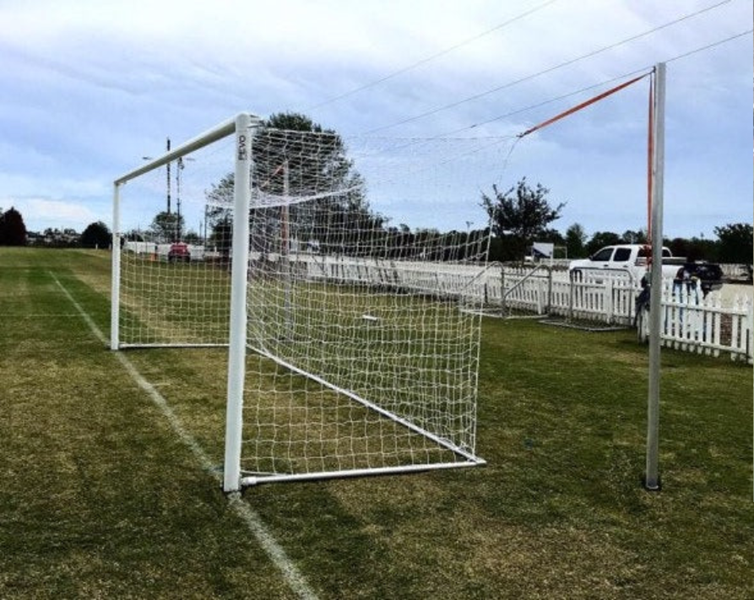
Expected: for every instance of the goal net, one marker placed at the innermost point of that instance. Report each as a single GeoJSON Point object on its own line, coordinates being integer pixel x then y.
{"type": "Point", "coordinates": [353, 342]}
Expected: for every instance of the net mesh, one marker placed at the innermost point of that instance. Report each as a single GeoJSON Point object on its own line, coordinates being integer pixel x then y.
{"type": "Point", "coordinates": [365, 337]}
{"type": "Point", "coordinates": [175, 252]}
{"type": "Point", "coordinates": [362, 332]}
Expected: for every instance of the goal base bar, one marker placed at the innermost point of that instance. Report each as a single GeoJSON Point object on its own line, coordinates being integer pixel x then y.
{"type": "Point", "coordinates": [250, 481]}
{"type": "Point", "coordinates": [186, 345]}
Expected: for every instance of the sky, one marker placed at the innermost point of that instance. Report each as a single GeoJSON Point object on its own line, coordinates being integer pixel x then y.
{"type": "Point", "coordinates": [89, 87]}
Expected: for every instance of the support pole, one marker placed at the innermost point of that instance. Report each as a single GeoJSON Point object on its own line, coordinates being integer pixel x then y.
{"type": "Point", "coordinates": [652, 477]}
{"type": "Point", "coordinates": [167, 147]}
{"type": "Point", "coordinates": [502, 291]}
{"type": "Point", "coordinates": [115, 273]}
{"type": "Point", "coordinates": [285, 249]}
{"type": "Point", "coordinates": [237, 349]}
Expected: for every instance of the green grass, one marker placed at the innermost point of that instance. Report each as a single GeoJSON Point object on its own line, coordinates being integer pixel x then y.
{"type": "Point", "coordinates": [99, 497]}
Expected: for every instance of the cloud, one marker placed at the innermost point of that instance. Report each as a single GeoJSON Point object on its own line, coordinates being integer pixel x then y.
{"type": "Point", "coordinates": [41, 213]}
{"type": "Point", "coordinates": [88, 87]}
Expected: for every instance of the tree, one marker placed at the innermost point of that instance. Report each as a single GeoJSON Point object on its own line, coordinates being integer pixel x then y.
{"type": "Point", "coordinates": [222, 235]}
{"type": "Point", "coordinates": [600, 239]}
{"type": "Point", "coordinates": [294, 156]}
{"type": "Point", "coordinates": [220, 201]}
{"type": "Point", "coordinates": [735, 243]}
{"type": "Point", "coordinates": [520, 215]}
{"type": "Point", "coordinates": [192, 237]}
{"type": "Point", "coordinates": [635, 237]}
{"type": "Point", "coordinates": [291, 150]}
{"type": "Point", "coordinates": [96, 235]}
{"type": "Point", "coordinates": [575, 239]}
{"type": "Point", "coordinates": [167, 225]}
{"type": "Point", "coordinates": [12, 228]}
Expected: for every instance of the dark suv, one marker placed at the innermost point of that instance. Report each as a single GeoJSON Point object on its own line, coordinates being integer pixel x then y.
{"type": "Point", "coordinates": [708, 275]}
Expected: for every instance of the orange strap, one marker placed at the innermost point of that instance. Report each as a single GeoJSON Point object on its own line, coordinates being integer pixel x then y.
{"type": "Point", "coordinates": [578, 107]}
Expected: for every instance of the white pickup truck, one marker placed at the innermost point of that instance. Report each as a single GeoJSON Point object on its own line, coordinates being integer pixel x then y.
{"type": "Point", "coordinates": [632, 259]}
{"type": "Point", "coordinates": [626, 258]}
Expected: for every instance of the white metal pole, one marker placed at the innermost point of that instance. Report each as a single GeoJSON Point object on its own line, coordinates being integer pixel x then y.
{"type": "Point", "coordinates": [652, 477]}
{"type": "Point", "coordinates": [286, 246]}
{"type": "Point", "coordinates": [115, 273]}
{"type": "Point", "coordinates": [237, 349]}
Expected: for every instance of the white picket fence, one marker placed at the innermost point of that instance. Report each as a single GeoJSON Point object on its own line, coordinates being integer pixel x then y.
{"type": "Point", "coordinates": [690, 322]}
{"type": "Point", "coordinates": [693, 323]}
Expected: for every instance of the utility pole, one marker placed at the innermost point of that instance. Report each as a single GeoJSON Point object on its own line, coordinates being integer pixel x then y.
{"type": "Point", "coordinates": [168, 175]}
{"type": "Point", "coordinates": [179, 168]}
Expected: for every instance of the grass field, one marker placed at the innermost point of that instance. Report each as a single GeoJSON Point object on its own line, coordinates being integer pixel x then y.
{"type": "Point", "coordinates": [101, 497]}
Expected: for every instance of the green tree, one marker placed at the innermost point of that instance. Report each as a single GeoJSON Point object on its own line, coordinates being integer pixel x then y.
{"type": "Point", "coordinates": [296, 157]}
{"type": "Point", "coordinates": [220, 199]}
{"type": "Point", "coordinates": [700, 248]}
{"type": "Point", "coordinates": [575, 238]}
{"type": "Point", "coordinates": [222, 236]}
{"type": "Point", "coordinates": [12, 228]}
{"type": "Point", "coordinates": [519, 215]}
{"type": "Point", "coordinates": [96, 235]}
{"type": "Point", "coordinates": [293, 155]}
{"type": "Point", "coordinates": [167, 226]}
{"type": "Point", "coordinates": [192, 237]}
{"type": "Point", "coordinates": [735, 243]}
{"type": "Point", "coordinates": [600, 239]}
{"type": "Point", "coordinates": [635, 237]}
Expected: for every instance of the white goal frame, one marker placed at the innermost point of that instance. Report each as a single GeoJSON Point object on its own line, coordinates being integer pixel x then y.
{"type": "Point", "coordinates": [234, 479]}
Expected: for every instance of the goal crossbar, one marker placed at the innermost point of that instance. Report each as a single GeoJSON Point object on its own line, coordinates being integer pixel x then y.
{"type": "Point", "coordinates": [198, 142]}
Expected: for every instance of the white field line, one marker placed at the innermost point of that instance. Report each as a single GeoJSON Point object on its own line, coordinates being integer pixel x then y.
{"type": "Point", "coordinates": [38, 315]}
{"type": "Point", "coordinates": [253, 521]}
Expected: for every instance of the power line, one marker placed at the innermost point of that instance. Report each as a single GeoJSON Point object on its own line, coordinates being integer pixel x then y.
{"type": "Point", "coordinates": [432, 57]}
{"type": "Point", "coordinates": [708, 46]}
{"type": "Point", "coordinates": [597, 85]}
{"type": "Point", "coordinates": [549, 70]}
{"type": "Point", "coordinates": [643, 70]}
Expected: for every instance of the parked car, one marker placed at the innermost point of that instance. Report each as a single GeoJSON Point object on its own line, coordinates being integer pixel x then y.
{"type": "Point", "coordinates": [626, 258]}
{"type": "Point", "coordinates": [179, 252]}
{"type": "Point", "coordinates": [633, 259]}
{"type": "Point", "coordinates": [707, 275]}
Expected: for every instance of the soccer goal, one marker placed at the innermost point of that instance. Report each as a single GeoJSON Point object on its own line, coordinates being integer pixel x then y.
{"type": "Point", "coordinates": [353, 344]}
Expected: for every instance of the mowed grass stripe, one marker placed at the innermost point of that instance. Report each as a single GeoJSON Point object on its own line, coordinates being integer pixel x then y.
{"type": "Point", "coordinates": [251, 519]}
{"type": "Point", "coordinates": [99, 498]}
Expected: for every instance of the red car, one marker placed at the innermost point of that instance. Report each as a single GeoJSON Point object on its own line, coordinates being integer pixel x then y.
{"type": "Point", "coordinates": [179, 252]}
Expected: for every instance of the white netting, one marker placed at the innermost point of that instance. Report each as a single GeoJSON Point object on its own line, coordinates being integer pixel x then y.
{"type": "Point", "coordinates": [365, 335]}
{"type": "Point", "coordinates": [175, 277]}
{"type": "Point", "coordinates": [363, 332]}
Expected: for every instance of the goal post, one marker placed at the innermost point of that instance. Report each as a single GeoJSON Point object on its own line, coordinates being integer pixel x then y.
{"type": "Point", "coordinates": [352, 344]}
{"type": "Point", "coordinates": [238, 316]}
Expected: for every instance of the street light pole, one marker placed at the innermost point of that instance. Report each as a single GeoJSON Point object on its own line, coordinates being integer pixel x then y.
{"type": "Point", "coordinates": [168, 175]}
{"type": "Point", "coordinates": [179, 168]}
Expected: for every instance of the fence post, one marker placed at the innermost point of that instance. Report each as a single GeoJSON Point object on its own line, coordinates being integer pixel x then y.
{"type": "Point", "coordinates": [750, 331]}
{"type": "Point", "coordinates": [502, 291]}
{"type": "Point", "coordinates": [716, 327]}
{"type": "Point", "coordinates": [609, 300]}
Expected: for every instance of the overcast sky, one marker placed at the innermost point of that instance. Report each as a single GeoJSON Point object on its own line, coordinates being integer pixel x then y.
{"type": "Point", "coordinates": [88, 87]}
